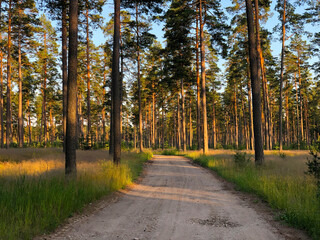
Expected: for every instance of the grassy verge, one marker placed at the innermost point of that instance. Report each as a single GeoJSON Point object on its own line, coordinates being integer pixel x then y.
{"type": "Point", "coordinates": [293, 194]}
{"type": "Point", "coordinates": [32, 203]}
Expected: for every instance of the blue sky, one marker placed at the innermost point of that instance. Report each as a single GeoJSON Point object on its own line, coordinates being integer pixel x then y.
{"type": "Point", "coordinates": [99, 38]}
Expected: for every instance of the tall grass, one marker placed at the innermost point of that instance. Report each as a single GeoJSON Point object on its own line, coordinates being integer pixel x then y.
{"type": "Point", "coordinates": [294, 194]}
{"type": "Point", "coordinates": [36, 201]}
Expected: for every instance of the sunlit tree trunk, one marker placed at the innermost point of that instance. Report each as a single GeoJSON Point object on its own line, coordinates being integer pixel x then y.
{"type": "Point", "coordinates": [281, 73]}
{"type": "Point", "coordinates": [255, 81]}
{"type": "Point", "coordinates": [88, 77]}
{"type": "Point", "coordinates": [198, 87]}
{"type": "Point", "coordinates": [203, 82]}
{"type": "Point", "coordinates": [64, 30]}
{"type": "Point", "coordinates": [178, 123]}
{"type": "Point", "coordinates": [9, 128]}
{"type": "Point", "coordinates": [116, 88]}
{"type": "Point", "coordinates": [20, 113]}
{"type": "Point", "coordinates": [72, 138]}
{"type": "Point", "coordinates": [190, 125]}
{"type": "Point", "coordinates": [184, 137]}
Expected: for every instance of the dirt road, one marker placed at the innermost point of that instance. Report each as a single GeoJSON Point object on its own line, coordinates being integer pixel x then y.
{"type": "Point", "coordinates": [175, 200]}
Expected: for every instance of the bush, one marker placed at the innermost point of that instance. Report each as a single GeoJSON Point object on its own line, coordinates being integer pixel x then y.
{"type": "Point", "coordinates": [314, 168]}
{"type": "Point", "coordinates": [241, 159]}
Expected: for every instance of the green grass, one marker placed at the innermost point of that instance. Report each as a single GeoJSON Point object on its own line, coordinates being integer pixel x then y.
{"type": "Point", "coordinates": [293, 194]}
{"type": "Point", "coordinates": [35, 204]}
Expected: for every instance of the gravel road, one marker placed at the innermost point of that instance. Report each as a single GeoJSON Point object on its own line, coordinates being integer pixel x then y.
{"type": "Point", "coordinates": [175, 200]}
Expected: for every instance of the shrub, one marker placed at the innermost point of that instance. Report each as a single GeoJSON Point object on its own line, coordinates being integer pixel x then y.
{"type": "Point", "coordinates": [314, 168]}
{"type": "Point", "coordinates": [241, 159]}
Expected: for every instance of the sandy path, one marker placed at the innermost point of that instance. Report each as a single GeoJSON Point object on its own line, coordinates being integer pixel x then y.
{"type": "Point", "coordinates": [175, 200]}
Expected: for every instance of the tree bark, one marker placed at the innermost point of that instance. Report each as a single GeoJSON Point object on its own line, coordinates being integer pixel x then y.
{"type": "Point", "coordinates": [139, 83]}
{"type": "Point", "coordinates": [72, 138]}
{"type": "Point", "coordinates": [198, 87]}
{"type": "Point", "coordinates": [116, 89]}
{"type": "Point", "coordinates": [203, 83]}
{"type": "Point", "coordinates": [281, 73]}
{"type": "Point", "coordinates": [184, 139]}
{"type": "Point", "coordinates": [1, 97]}
{"type": "Point", "coordinates": [88, 78]}
{"type": "Point", "coordinates": [64, 70]}
{"type": "Point", "coordinates": [255, 82]}
{"type": "Point", "coordinates": [8, 128]}
{"type": "Point", "coordinates": [44, 96]}
{"type": "Point", "coordinates": [20, 114]}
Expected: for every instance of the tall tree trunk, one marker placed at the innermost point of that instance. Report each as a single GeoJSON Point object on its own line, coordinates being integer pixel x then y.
{"type": "Point", "coordinates": [72, 138]}
{"type": "Point", "coordinates": [263, 77]}
{"type": "Point", "coordinates": [20, 114]}
{"type": "Point", "coordinates": [1, 97]}
{"type": "Point", "coordinates": [139, 84]}
{"type": "Point", "coordinates": [29, 122]}
{"type": "Point", "coordinates": [297, 111]}
{"type": "Point", "coordinates": [8, 128]}
{"type": "Point", "coordinates": [44, 96]}
{"type": "Point", "coordinates": [64, 69]}
{"type": "Point", "coordinates": [236, 125]}
{"type": "Point", "coordinates": [88, 78]}
{"type": "Point", "coordinates": [116, 88]}
{"type": "Point", "coordinates": [203, 83]}
{"type": "Point", "coordinates": [153, 116]}
{"type": "Point", "coordinates": [255, 81]}
{"type": "Point", "coordinates": [162, 135]}
{"type": "Point", "coordinates": [121, 78]}
{"type": "Point", "coordinates": [250, 107]}
{"type": "Point", "coordinates": [214, 134]}
{"type": "Point", "coordinates": [287, 118]}
{"type": "Point", "coordinates": [198, 87]}
{"type": "Point", "coordinates": [300, 97]}
{"type": "Point", "coordinates": [190, 125]}
{"type": "Point", "coordinates": [184, 137]}
{"type": "Point", "coordinates": [281, 73]}
{"type": "Point", "coordinates": [178, 124]}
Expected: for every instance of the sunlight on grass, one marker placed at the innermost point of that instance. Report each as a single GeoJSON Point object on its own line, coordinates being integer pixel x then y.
{"type": "Point", "coordinates": [36, 197]}
{"type": "Point", "coordinates": [281, 182]}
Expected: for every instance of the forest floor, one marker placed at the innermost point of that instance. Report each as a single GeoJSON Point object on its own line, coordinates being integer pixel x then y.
{"type": "Point", "coordinates": [176, 199]}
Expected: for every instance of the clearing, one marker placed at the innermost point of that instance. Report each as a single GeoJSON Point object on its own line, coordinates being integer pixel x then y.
{"type": "Point", "coordinates": [176, 200]}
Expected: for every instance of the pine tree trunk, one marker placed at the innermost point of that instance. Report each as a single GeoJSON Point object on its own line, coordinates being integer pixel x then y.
{"type": "Point", "coordinates": [184, 137]}
{"type": "Point", "coordinates": [250, 107]}
{"type": "Point", "coordinates": [20, 114]}
{"type": "Point", "coordinates": [178, 124]}
{"type": "Point", "coordinates": [255, 81]}
{"type": "Point", "coordinates": [29, 122]}
{"type": "Point", "coordinates": [236, 125]}
{"type": "Point", "coordinates": [198, 88]}
{"type": "Point", "coordinates": [139, 84]}
{"type": "Point", "coordinates": [297, 111]}
{"type": "Point", "coordinates": [300, 98]}
{"type": "Point", "coordinates": [44, 96]}
{"type": "Point", "coordinates": [203, 83]}
{"type": "Point", "coordinates": [116, 87]}
{"type": "Point", "coordinates": [281, 73]}
{"type": "Point", "coordinates": [88, 79]}
{"type": "Point", "coordinates": [71, 143]}
{"type": "Point", "coordinates": [190, 125]}
{"type": "Point", "coordinates": [64, 70]}
{"type": "Point", "coordinates": [287, 118]}
{"type": "Point", "coordinates": [162, 135]}
{"type": "Point", "coordinates": [8, 128]}
{"type": "Point", "coordinates": [214, 137]}
{"type": "Point", "coordinates": [1, 97]}
{"type": "Point", "coordinates": [153, 117]}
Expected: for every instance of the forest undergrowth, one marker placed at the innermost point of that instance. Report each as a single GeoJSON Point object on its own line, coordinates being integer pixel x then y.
{"type": "Point", "coordinates": [36, 197]}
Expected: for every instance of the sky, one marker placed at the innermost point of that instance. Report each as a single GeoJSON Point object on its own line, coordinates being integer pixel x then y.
{"type": "Point", "coordinates": [98, 37]}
